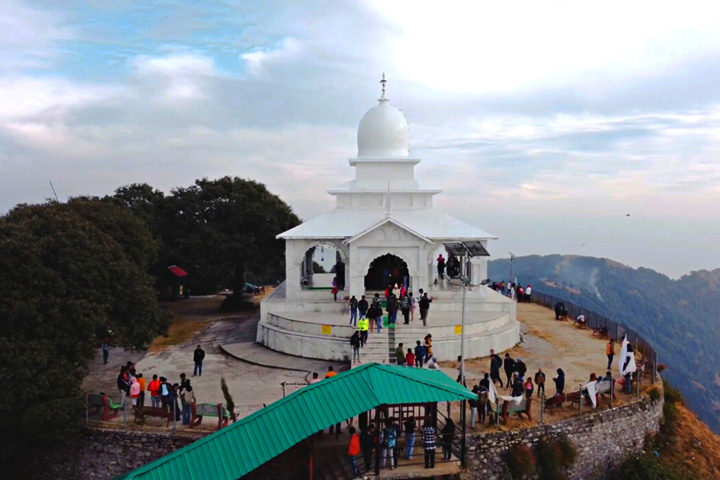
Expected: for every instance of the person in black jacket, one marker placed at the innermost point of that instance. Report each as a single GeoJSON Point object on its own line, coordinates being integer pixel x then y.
{"type": "Point", "coordinates": [509, 366]}
{"type": "Point", "coordinates": [368, 442]}
{"type": "Point", "coordinates": [495, 364]}
{"type": "Point", "coordinates": [198, 358]}
{"type": "Point", "coordinates": [517, 386]}
{"type": "Point", "coordinates": [520, 368]}
{"type": "Point", "coordinates": [559, 381]}
{"type": "Point", "coordinates": [123, 383]}
{"type": "Point", "coordinates": [448, 432]}
{"type": "Point", "coordinates": [392, 309]}
{"type": "Point", "coordinates": [424, 305]}
{"type": "Point", "coordinates": [363, 306]}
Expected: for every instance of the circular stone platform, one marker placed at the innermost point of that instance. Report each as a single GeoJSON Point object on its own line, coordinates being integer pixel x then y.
{"type": "Point", "coordinates": [315, 328]}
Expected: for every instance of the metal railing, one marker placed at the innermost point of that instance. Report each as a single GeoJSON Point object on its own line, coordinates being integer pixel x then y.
{"type": "Point", "coordinates": [596, 321]}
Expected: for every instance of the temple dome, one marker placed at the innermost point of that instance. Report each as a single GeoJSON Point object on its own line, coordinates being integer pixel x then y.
{"type": "Point", "coordinates": [383, 132]}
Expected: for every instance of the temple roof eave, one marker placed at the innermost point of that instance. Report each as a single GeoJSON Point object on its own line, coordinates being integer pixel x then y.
{"type": "Point", "coordinates": [344, 223]}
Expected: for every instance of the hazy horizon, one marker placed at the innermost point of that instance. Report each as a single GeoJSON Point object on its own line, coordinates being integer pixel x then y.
{"type": "Point", "coordinates": [545, 123]}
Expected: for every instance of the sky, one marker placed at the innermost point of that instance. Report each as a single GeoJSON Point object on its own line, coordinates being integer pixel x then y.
{"type": "Point", "coordinates": [544, 123]}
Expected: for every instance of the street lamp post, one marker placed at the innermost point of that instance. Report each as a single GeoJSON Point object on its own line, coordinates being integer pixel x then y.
{"type": "Point", "coordinates": [512, 259]}
{"type": "Point", "coordinates": [462, 334]}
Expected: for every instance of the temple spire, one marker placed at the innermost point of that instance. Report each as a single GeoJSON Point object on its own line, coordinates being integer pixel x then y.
{"type": "Point", "coordinates": [383, 82]}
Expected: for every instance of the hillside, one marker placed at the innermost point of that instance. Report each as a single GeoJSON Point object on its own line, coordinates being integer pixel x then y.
{"type": "Point", "coordinates": [679, 317]}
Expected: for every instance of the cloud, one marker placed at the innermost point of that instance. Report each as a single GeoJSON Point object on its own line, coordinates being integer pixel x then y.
{"type": "Point", "coordinates": [521, 123]}
{"type": "Point", "coordinates": [29, 37]}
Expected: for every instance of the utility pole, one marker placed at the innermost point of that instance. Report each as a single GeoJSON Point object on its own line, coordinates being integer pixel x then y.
{"type": "Point", "coordinates": [512, 259]}
{"type": "Point", "coordinates": [462, 334]}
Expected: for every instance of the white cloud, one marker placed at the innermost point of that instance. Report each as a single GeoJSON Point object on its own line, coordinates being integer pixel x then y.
{"type": "Point", "coordinates": [29, 37]}
{"type": "Point", "coordinates": [525, 124]}
{"type": "Point", "coordinates": [177, 75]}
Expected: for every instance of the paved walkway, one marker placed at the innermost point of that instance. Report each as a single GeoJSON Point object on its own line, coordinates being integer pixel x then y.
{"type": "Point", "coordinates": [256, 354]}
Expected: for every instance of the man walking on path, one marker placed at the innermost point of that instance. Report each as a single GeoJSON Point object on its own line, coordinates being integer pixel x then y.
{"type": "Point", "coordinates": [363, 326]}
{"type": "Point", "coordinates": [429, 443]}
{"type": "Point", "coordinates": [392, 309]}
{"type": "Point", "coordinates": [540, 381]}
{"type": "Point", "coordinates": [353, 310]}
{"type": "Point", "coordinates": [419, 354]}
{"type": "Point", "coordinates": [610, 352]}
{"type": "Point", "coordinates": [363, 306]}
{"type": "Point", "coordinates": [400, 355]}
{"type": "Point", "coordinates": [355, 343]}
{"type": "Point", "coordinates": [509, 366]}
{"type": "Point", "coordinates": [405, 308]}
{"type": "Point", "coordinates": [495, 365]}
{"type": "Point", "coordinates": [198, 358]}
{"type": "Point", "coordinates": [424, 307]}
{"type": "Point", "coordinates": [106, 351]}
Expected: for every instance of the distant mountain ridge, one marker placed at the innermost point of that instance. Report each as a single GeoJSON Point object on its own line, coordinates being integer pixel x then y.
{"type": "Point", "coordinates": [679, 317]}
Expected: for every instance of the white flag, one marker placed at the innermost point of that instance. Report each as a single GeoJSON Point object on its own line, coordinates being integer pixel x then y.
{"type": "Point", "coordinates": [628, 357]}
{"type": "Point", "coordinates": [492, 394]}
{"type": "Point", "coordinates": [591, 388]}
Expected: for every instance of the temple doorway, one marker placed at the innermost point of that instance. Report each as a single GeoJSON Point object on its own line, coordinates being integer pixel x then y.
{"type": "Point", "coordinates": [387, 270]}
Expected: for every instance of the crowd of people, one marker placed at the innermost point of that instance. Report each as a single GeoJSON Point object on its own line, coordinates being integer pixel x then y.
{"type": "Point", "coordinates": [397, 300]}
{"type": "Point", "coordinates": [162, 393]}
{"type": "Point", "coordinates": [513, 290]}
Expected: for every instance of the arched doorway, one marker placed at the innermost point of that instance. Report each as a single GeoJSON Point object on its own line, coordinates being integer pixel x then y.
{"type": "Point", "coordinates": [386, 270]}
{"type": "Point", "coordinates": [321, 265]}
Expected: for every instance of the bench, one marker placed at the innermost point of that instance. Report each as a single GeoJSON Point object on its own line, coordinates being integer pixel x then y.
{"type": "Point", "coordinates": [103, 405]}
{"type": "Point", "coordinates": [508, 407]}
{"type": "Point", "coordinates": [602, 332]}
{"type": "Point", "coordinates": [200, 410]}
{"type": "Point", "coordinates": [142, 412]}
{"type": "Point", "coordinates": [559, 399]}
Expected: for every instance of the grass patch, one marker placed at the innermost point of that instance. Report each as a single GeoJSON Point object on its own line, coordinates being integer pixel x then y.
{"type": "Point", "coordinates": [180, 331]}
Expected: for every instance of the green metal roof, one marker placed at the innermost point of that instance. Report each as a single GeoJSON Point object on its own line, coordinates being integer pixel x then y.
{"type": "Point", "coordinates": [240, 448]}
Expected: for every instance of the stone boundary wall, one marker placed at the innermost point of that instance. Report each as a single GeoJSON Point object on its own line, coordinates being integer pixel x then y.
{"type": "Point", "coordinates": [602, 439]}
{"type": "Point", "coordinates": [104, 454]}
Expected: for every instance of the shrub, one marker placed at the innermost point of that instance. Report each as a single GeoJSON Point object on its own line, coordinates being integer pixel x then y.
{"type": "Point", "coordinates": [567, 451]}
{"type": "Point", "coordinates": [669, 414]}
{"type": "Point", "coordinates": [650, 467]}
{"type": "Point", "coordinates": [672, 395]}
{"type": "Point", "coordinates": [521, 461]}
{"type": "Point", "coordinates": [654, 394]}
{"type": "Point", "coordinates": [554, 458]}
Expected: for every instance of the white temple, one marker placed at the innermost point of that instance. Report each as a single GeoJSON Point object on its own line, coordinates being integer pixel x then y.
{"type": "Point", "coordinates": [384, 229]}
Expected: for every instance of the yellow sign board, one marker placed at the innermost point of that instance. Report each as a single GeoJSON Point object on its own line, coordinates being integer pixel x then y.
{"type": "Point", "coordinates": [458, 329]}
{"type": "Point", "coordinates": [326, 330]}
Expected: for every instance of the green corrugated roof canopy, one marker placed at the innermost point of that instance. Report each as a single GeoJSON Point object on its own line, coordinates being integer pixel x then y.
{"type": "Point", "coordinates": [240, 448]}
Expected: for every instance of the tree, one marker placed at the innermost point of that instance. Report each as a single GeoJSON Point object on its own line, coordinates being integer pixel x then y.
{"type": "Point", "coordinates": [225, 228]}
{"type": "Point", "coordinates": [69, 271]}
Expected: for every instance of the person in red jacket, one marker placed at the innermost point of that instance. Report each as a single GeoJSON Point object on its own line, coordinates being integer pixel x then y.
{"type": "Point", "coordinates": [154, 389]}
{"type": "Point", "coordinates": [410, 358]}
{"type": "Point", "coordinates": [354, 451]}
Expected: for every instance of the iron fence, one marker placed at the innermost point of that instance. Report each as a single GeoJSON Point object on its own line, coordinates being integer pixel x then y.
{"type": "Point", "coordinates": [596, 321]}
